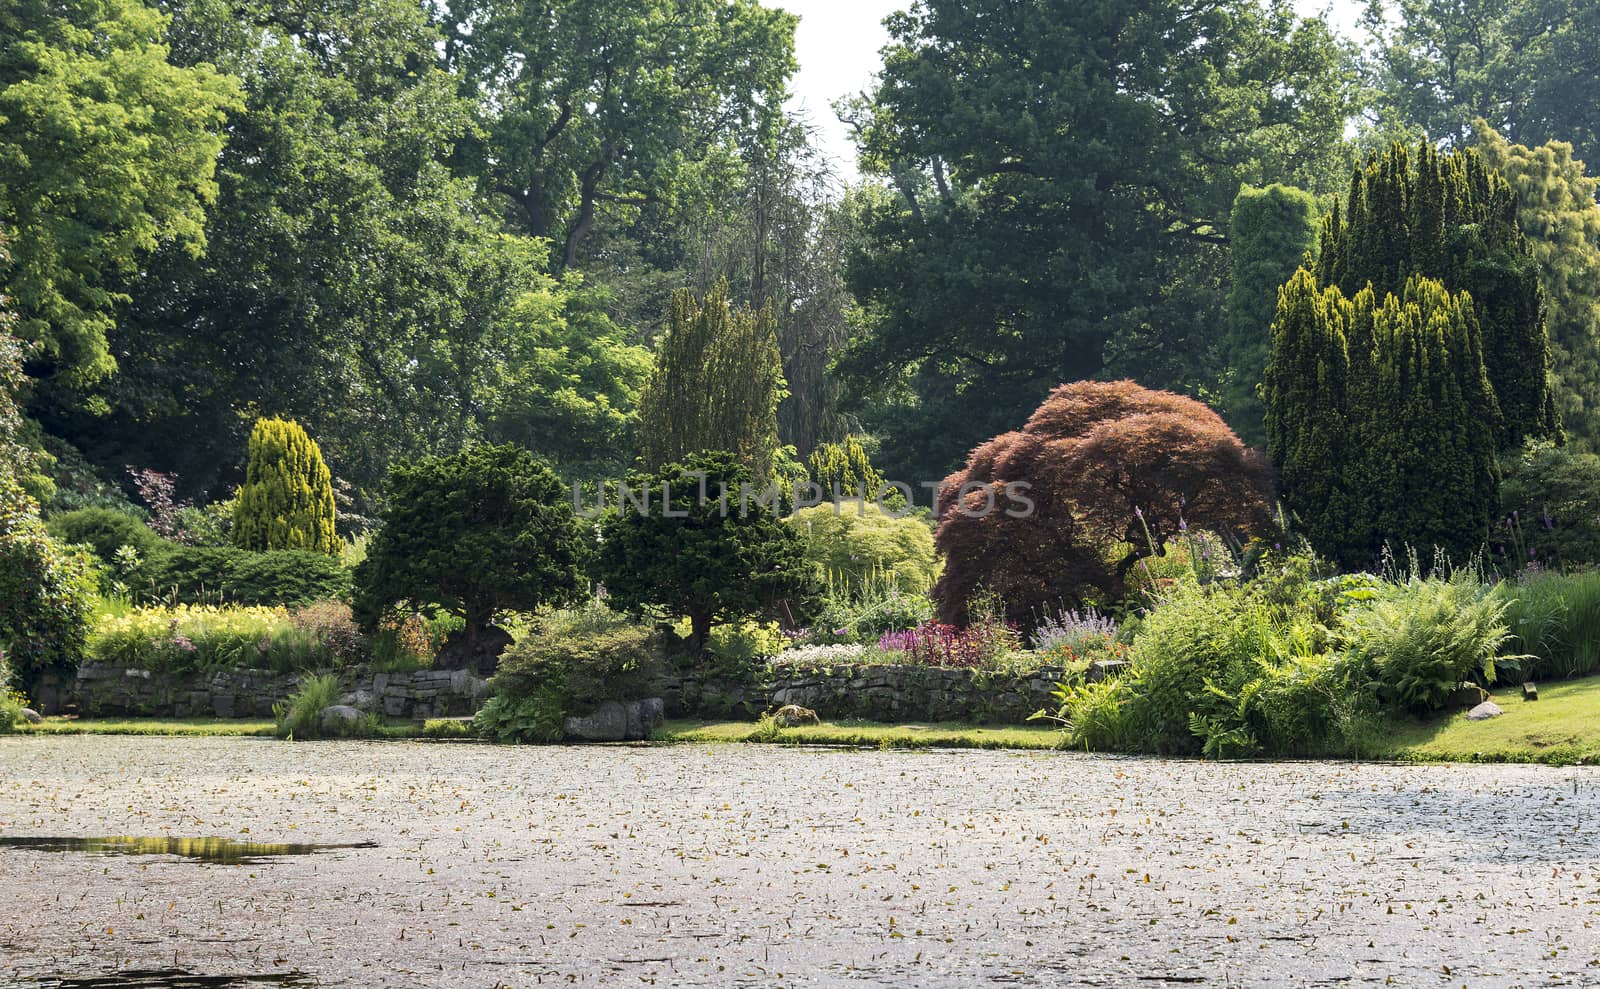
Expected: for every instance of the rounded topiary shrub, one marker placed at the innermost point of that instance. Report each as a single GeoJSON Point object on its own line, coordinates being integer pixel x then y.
{"type": "Point", "coordinates": [105, 530]}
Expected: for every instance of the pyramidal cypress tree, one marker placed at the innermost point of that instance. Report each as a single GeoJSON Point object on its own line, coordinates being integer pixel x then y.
{"type": "Point", "coordinates": [286, 501]}
{"type": "Point", "coordinates": [1449, 218]}
{"type": "Point", "coordinates": [1381, 418]}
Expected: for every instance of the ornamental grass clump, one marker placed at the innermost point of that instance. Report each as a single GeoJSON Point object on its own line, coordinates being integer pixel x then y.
{"type": "Point", "coordinates": [195, 638]}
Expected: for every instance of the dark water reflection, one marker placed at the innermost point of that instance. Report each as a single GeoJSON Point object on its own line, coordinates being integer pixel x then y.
{"type": "Point", "coordinates": [219, 850]}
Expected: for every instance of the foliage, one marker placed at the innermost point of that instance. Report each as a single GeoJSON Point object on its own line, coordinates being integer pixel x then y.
{"type": "Point", "coordinates": [1010, 254]}
{"type": "Point", "coordinates": [1550, 507]}
{"type": "Point", "coordinates": [301, 716]}
{"type": "Point", "coordinates": [719, 560]}
{"type": "Point", "coordinates": [1554, 619]}
{"type": "Point", "coordinates": [352, 279]}
{"type": "Point", "coordinates": [487, 529]}
{"type": "Point", "coordinates": [716, 384]}
{"type": "Point", "coordinates": [11, 703]}
{"type": "Point", "coordinates": [44, 591]}
{"type": "Point", "coordinates": [573, 661]}
{"type": "Point", "coordinates": [194, 638]}
{"type": "Point", "coordinates": [1110, 468]}
{"type": "Point", "coordinates": [1382, 420]}
{"type": "Point", "coordinates": [843, 470]}
{"type": "Point", "coordinates": [591, 110]}
{"type": "Point", "coordinates": [1556, 210]}
{"type": "Point", "coordinates": [985, 643]}
{"type": "Point", "coordinates": [1528, 66]}
{"type": "Point", "coordinates": [1074, 639]}
{"type": "Point", "coordinates": [853, 544]}
{"type": "Point", "coordinates": [737, 646]}
{"type": "Point", "coordinates": [566, 379]}
{"type": "Point", "coordinates": [1450, 218]}
{"type": "Point", "coordinates": [286, 501]}
{"type": "Point", "coordinates": [1094, 715]}
{"type": "Point", "coordinates": [107, 149]}
{"type": "Point", "coordinates": [104, 530]}
{"type": "Point", "coordinates": [1271, 232]}
{"type": "Point", "coordinates": [863, 613]}
{"type": "Point", "coordinates": [201, 574]}
{"type": "Point", "coordinates": [1419, 641]}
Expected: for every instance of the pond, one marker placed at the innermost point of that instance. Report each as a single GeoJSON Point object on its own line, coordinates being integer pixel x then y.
{"type": "Point", "coordinates": [754, 865]}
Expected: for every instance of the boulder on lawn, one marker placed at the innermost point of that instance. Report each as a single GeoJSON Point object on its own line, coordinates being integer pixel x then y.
{"type": "Point", "coordinates": [1485, 711]}
{"type": "Point", "coordinates": [1530, 691]}
{"type": "Point", "coordinates": [607, 723]}
{"type": "Point", "coordinates": [31, 716]}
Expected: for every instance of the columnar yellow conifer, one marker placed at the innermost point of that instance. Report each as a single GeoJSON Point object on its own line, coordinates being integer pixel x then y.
{"type": "Point", "coordinates": [286, 501]}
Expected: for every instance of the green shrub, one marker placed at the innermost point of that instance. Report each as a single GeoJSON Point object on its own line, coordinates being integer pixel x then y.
{"type": "Point", "coordinates": [1554, 619]}
{"type": "Point", "coordinates": [1418, 641]}
{"type": "Point", "coordinates": [574, 660]}
{"type": "Point", "coordinates": [852, 545]}
{"type": "Point", "coordinates": [301, 715]}
{"type": "Point", "coordinates": [201, 574]}
{"type": "Point", "coordinates": [105, 530]}
{"type": "Point", "coordinates": [1191, 638]}
{"type": "Point", "coordinates": [865, 613]}
{"type": "Point", "coordinates": [710, 564]}
{"type": "Point", "coordinates": [11, 702]}
{"type": "Point", "coordinates": [737, 646]}
{"type": "Point", "coordinates": [1550, 507]}
{"type": "Point", "coordinates": [44, 590]}
{"type": "Point", "coordinates": [486, 530]}
{"type": "Point", "coordinates": [286, 501]}
{"type": "Point", "coordinates": [1095, 716]}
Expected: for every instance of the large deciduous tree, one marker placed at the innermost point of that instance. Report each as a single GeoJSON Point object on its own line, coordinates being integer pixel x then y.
{"type": "Point", "coordinates": [351, 279]}
{"type": "Point", "coordinates": [588, 107]}
{"type": "Point", "coordinates": [107, 151]}
{"type": "Point", "coordinates": [1531, 68]}
{"type": "Point", "coordinates": [1113, 471]}
{"type": "Point", "coordinates": [1061, 180]}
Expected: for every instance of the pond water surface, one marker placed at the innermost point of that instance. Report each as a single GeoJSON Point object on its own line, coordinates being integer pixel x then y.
{"type": "Point", "coordinates": [469, 865]}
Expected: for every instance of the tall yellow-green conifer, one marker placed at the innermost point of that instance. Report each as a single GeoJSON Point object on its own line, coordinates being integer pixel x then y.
{"type": "Point", "coordinates": [287, 498]}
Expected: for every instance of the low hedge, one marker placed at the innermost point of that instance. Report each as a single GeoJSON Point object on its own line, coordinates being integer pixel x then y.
{"type": "Point", "coordinates": [211, 574]}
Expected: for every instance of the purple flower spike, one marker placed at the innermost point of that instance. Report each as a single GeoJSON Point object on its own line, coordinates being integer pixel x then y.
{"type": "Point", "coordinates": [1138, 512]}
{"type": "Point", "coordinates": [1548, 524]}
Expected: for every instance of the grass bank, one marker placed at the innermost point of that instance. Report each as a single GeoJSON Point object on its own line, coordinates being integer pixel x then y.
{"type": "Point", "coordinates": [444, 728]}
{"type": "Point", "coordinates": [1561, 728]}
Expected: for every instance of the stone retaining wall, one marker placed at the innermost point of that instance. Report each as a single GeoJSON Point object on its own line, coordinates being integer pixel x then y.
{"type": "Point", "coordinates": [872, 692]}
{"type": "Point", "coordinates": [100, 690]}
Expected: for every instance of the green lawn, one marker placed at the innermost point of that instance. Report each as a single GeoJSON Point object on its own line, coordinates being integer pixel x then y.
{"type": "Point", "coordinates": [1562, 727]}
{"type": "Point", "coordinates": [147, 726]}
{"type": "Point", "coordinates": [951, 735]}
